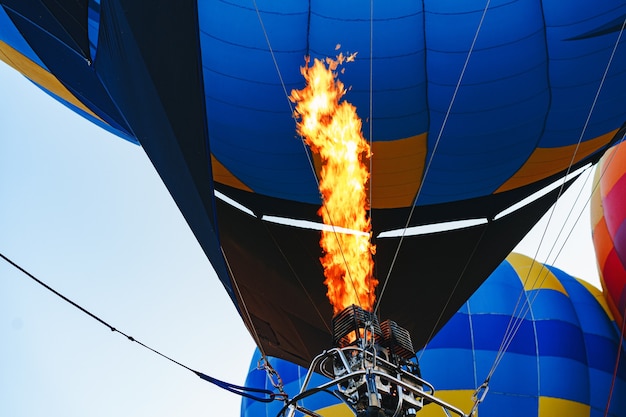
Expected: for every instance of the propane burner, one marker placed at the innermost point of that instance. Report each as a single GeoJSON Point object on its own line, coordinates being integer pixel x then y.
{"type": "Point", "coordinates": [373, 369]}
{"type": "Point", "coordinates": [354, 324]}
{"type": "Point", "coordinates": [380, 351]}
{"type": "Point", "coordinates": [397, 339]}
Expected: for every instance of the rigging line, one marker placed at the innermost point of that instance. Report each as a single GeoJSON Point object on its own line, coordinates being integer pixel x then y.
{"type": "Point", "coordinates": [570, 212]}
{"type": "Point", "coordinates": [343, 256]}
{"type": "Point", "coordinates": [509, 332]}
{"type": "Point", "coordinates": [617, 361]}
{"type": "Point", "coordinates": [306, 152]}
{"type": "Point", "coordinates": [515, 323]}
{"type": "Point", "coordinates": [371, 98]}
{"type": "Point", "coordinates": [510, 335]}
{"type": "Point", "coordinates": [595, 99]}
{"type": "Point", "coordinates": [371, 121]}
{"type": "Point", "coordinates": [580, 138]}
{"type": "Point", "coordinates": [510, 325]}
{"type": "Point", "coordinates": [313, 303]}
{"type": "Point", "coordinates": [269, 370]}
{"type": "Point", "coordinates": [284, 87]}
{"type": "Point", "coordinates": [435, 147]}
{"type": "Point", "coordinates": [583, 131]}
{"type": "Point", "coordinates": [371, 87]}
{"type": "Point", "coordinates": [456, 284]}
{"type": "Point", "coordinates": [506, 343]}
{"type": "Point", "coordinates": [605, 166]}
{"type": "Point", "coordinates": [253, 332]}
{"type": "Point", "coordinates": [269, 45]}
{"type": "Point", "coordinates": [236, 389]}
{"type": "Point", "coordinates": [589, 114]}
{"type": "Point", "coordinates": [517, 317]}
{"type": "Point", "coordinates": [512, 331]}
{"type": "Point", "coordinates": [66, 45]}
{"type": "Point", "coordinates": [470, 319]}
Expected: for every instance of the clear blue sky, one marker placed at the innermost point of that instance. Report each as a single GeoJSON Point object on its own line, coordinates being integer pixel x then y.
{"type": "Point", "coordinates": [86, 213]}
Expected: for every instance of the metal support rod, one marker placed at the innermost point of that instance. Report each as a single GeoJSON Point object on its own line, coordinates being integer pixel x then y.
{"type": "Point", "coordinates": [326, 386]}
{"type": "Point", "coordinates": [340, 354]}
{"type": "Point", "coordinates": [306, 393]}
{"type": "Point", "coordinates": [372, 391]}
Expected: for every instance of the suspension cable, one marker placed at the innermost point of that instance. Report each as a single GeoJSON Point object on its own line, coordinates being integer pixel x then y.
{"type": "Point", "coordinates": [253, 393]}
{"type": "Point", "coordinates": [456, 284]}
{"type": "Point", "coordinates": [265, 364]}
{"type": "Point", "coordinates": [307, 153]}
{"type": "Point", "coordinates": [514, 326]}
{"type": "Point", "coordinates": [515, 323]}
{"type": "Point", "coordinates": [297, 278]}
{"type": "Point", "coordinates": [617, 361]}
{"type": "Point", "coordinates": [432, 155]}
{"type": "Point", "coordinates": [527, 307]}
{"type": "Point", "coordinates": [371, 99]}
{"type": "Point", "coordinates": [517, 318]}
{"type": "Point", "coordinates": [246, 312]}
{"type": "Point", "coordinates": [371, 124]}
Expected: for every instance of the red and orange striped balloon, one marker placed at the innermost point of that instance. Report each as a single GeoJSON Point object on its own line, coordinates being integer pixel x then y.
{"type": "Point", "coordinates": [608, 221]}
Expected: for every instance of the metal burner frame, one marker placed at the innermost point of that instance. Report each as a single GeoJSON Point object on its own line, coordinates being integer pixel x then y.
{"type": "Point", "coordinates": [349, 367]}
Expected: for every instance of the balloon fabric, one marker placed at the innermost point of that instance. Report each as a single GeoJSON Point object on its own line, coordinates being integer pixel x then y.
{"type": "Point", "coordinates": [470, 107]}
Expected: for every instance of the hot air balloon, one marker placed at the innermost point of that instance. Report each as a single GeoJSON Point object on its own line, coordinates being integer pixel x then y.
{"type": "Point", "coordinates": [608, 208]}
{"type": "Point", "coordinates": [560, 358]}
{"type": "Point", "coordinates": [470, 108]}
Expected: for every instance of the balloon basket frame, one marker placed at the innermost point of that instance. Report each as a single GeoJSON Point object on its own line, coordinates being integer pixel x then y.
{"type": "Point", "coordinates": [372, 369]}
{"type": "Point", "coordinates": [368, 384]}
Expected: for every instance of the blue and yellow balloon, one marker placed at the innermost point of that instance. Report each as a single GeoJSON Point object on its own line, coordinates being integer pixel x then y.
{"type": "Point", "coordinates": [563, 359]}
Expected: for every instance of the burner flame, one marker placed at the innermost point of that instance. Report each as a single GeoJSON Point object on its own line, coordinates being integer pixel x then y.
{"type": "Point", "coordinates": [332, 129]}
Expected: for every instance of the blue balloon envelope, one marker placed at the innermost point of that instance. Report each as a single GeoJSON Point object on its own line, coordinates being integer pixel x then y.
{"type": "Point", "coordinates": [471, 107]}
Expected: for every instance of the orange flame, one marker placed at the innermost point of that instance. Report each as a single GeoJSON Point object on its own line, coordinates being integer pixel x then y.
{"type": "Point", "coordinates": [333, 130]}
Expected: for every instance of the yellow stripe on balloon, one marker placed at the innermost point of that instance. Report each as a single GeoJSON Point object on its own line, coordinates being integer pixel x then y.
{"type": "Point", "coordinates": [39, 76]}
{"type": "Point", "coordinates": [534, 275]}
{"type": "Point", "coordinates": [337, 410]}
{"type": "Point", "coordinates": [223, 175]}
{"type": "Point", "coordinates": [544, 162]}
{"type": "Point", "coordinates": [551, 407]}
{"type": "Point", "coordinates": [599, 296]}
{"type": "Point", "coordinates": [461, 399]}
{"type": "Point", "coordinates": [397, 167]}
